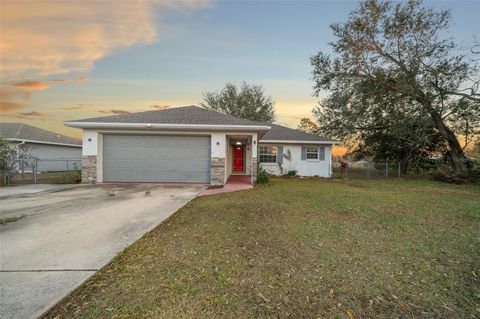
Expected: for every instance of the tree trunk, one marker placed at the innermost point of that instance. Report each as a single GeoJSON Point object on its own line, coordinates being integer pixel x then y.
{"type": "Point", "coordinates": [458, 156]}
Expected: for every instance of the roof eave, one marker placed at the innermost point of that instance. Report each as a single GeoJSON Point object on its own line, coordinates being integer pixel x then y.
{"type": "Point", "coordinates": [41, 142]}
{"type": "Point", "coordinates": [297, 142]}
{"type": "Point", "coordinates": [146, 126]}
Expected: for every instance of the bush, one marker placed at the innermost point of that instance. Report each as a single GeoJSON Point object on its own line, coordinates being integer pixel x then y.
{"type": "Point", "coordinates": [447, 175]}
{"type": "Point", "coordinates": [262, 176]}
{"type": "Point", "coordinates": [291, 173]}
{"type": "Point", "coordinates": [71, 177]}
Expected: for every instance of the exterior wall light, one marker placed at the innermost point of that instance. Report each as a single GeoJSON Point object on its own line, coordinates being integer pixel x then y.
{"type": "Point", "coordinates": [238, 143]}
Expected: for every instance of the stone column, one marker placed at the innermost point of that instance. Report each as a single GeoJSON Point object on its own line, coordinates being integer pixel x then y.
{"type": "Point", "coordinates": [254, 169]}
{"type": "Point", "coordinates": [217, 171]}
{"type": "Point", "coordinates": [89, 169]}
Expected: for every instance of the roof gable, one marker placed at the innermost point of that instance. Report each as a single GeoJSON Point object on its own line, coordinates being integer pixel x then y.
{"type": "Point", "coordinates": [21, 132]}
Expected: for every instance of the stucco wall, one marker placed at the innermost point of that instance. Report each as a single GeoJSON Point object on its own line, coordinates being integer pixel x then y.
{"type": "Point", "coordinates": [303, 167]}
{"type": "Point", "coordinates": [93, 140]}
{"type": "Point", "coordinates": [53, 158]}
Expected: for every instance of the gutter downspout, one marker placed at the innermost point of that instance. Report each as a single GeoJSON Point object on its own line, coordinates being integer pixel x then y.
{"type": "Point", "coordinates": [17, 146]}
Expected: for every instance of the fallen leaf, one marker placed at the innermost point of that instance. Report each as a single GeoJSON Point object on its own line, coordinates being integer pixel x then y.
{"type": "Point", "coordinates": [263, 297]}
{"type": "Point", "coordinates": [350, 314]}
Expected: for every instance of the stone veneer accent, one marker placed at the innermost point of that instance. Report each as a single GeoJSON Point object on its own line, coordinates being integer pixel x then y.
{"type": "Point", "coordinates": [254, 169]}
{"type": "Point", "coordinates": [89, 169]}
{"type": "Point", "coordinates": [217, 171]}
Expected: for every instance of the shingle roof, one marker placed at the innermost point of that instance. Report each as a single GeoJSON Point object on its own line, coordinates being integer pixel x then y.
{"type": "Point", "coordinates": [179, 115]}
{"type": "Point", "coordinates": [282, 133]}
{"type": "Point", "coordinates": [19, 131]}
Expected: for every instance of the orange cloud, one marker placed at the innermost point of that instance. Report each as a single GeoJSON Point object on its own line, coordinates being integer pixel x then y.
{"type": "Point", "coordinates": [17, 95]}
{"type": "Point", "coordinates": [65, 81]}
{"type": "Point", "coordinates": [41, 38]}
{"type": "Point", "coordinates": [32, 113]}
{"type": "Point", "coordinates": [8, 93]}
{"type": "Point", "coordinates": [10, 106]}
{"type": "Point", "coordinates": [71, 108]}
{"type": "Point", "coordinates": [61, 80]}
{"type": "Point", "coordinates": [32, 85]}
{"type": "Point", "coordinates": [159, 106]}
{"type": "Point", "coordinates": [115, 111]}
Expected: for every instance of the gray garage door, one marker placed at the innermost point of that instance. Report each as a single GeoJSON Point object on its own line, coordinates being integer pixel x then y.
{"type": "Point", "coordinates": [155, 158]}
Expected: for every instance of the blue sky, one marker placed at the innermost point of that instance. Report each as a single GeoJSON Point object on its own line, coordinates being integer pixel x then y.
{"type": "Point", "coordinates": [200, 49]}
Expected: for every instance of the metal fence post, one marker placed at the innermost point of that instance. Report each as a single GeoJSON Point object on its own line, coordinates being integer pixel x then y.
{"type": "Point", "coordinates": [22, 161]}
{"type": "Point", "coordinates": [34, 169]}
{"type": "Point", "coordinates": [386, 169]}
{"type": "Point", "coordinates": [399, 169]}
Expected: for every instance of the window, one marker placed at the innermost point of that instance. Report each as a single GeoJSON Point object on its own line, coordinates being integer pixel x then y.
{"type": "Point", "coordinates": [312, 153]}
{"type": "Point", "coordinates": [268, 154]}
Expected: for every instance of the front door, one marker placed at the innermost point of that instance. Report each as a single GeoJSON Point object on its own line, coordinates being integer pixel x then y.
{"type": "Point", "coordinates": [238, 159]}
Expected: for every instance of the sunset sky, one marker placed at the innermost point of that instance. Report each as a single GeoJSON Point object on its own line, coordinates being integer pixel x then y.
{"type": "Point", "coordinates": [63, 60]}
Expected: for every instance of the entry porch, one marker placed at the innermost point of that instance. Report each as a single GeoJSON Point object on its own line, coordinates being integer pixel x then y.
{"type": "Point", "coordinates": [241, 159]}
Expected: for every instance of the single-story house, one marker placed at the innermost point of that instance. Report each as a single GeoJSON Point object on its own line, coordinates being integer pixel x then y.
{"type": "Point", "coordinates": [54, 152]}
{"type": "Point", "coordinates": [193, 144]}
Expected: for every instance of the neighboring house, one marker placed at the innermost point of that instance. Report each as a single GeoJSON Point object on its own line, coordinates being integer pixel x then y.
{"type": "Point", "coordinates": [192, 144]}
{"type": "Point", "coordinates": [52, 150]}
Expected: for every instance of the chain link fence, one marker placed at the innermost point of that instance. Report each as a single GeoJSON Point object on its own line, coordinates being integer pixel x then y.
{"type": "Point", "coordinates": [366, 169]}
{"type": "Point", "coordinates": [33, 170]}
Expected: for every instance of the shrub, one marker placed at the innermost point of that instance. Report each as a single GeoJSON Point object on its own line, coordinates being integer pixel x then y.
{"type": "Point", "coordinates": [71, 177]}
{"type": "Point", "coordinates": [447, 175]}
{"type": "Point", "coordinates": [291, 173]}
{"type": "Point", "coordinates": [262, 176]}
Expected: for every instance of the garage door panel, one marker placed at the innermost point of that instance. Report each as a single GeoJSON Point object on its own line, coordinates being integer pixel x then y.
{"type": "Point", "coordinates": [151, 158]}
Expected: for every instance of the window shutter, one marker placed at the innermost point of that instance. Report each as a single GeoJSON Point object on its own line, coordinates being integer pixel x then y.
{"type": "Point", "coordinates": [304, 153]}
{"type": "Point", "coordinates": [280, 155]}
{"type": "Point", "coordinates": [321, 153]}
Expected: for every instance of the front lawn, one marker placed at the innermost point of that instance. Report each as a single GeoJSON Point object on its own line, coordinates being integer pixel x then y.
{"type": "Point", "coordinates": [301, 249]}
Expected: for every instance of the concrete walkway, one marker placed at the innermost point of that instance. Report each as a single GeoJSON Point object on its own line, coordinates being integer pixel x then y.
{"type": "Point", "coordinates": [65, 236]}
{"type": "Point", "coordinates": [233, 184]}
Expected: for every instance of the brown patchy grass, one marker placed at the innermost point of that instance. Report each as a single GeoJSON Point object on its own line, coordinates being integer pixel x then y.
{"type": "Point", "coordinates": [300, 249]}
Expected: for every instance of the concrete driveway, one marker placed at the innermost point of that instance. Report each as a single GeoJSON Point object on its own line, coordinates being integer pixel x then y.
{"type": "Point", "coordinates": [67, 233]}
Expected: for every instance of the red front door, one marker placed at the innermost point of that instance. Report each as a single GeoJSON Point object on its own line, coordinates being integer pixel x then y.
{"type": "Point", "coordinates": [238, 159]}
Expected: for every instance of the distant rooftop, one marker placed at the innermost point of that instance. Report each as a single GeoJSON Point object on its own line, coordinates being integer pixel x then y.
{"type": "Point", "coordinates": [25, 132]}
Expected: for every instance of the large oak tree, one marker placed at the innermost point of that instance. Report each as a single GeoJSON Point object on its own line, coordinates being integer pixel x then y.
{"type": "Point", "coordinates": [392, 58]}
{"type": "Point", "coordinates": [247, 101]}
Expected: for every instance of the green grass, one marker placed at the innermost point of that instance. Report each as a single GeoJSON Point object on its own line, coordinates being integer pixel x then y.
{"type": "Point", "coordinates": [301, 249]}
{"type": "Point", "coordinates": [10, 219]}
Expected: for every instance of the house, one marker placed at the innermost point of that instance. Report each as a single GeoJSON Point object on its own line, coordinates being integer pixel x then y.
{"type": "Point", "coordinates": [193, 144]}
{"type": "Point", "coordinates": [53, 151]}
{"type": "Point", "coordinates": [282, 150]}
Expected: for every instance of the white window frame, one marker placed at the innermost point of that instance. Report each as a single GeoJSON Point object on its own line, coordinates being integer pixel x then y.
{"type": "Point", "coordinates": [309, 151]}
{"type": "Point", "coordinates": [272, 152]}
